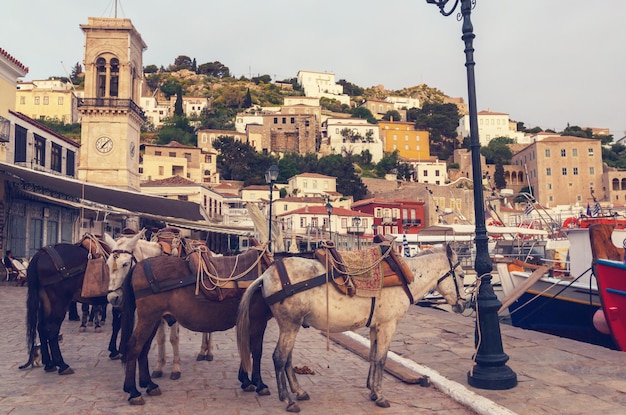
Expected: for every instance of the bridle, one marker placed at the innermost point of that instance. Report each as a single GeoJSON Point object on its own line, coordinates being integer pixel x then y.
{"type": "Point", "coordinates": [133, 260]}
{"type": "Point", "coordinates": [452, 273]}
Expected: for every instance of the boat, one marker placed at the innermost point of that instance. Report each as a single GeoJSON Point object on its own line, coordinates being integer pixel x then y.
{"type": "Point", "coordinates": [544, 297]}
{"type": "Point", "coordinates": [610, 271]}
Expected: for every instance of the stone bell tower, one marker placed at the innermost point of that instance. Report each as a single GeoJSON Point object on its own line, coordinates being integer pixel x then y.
{"type": "Point", "coordinates": [110, 115]}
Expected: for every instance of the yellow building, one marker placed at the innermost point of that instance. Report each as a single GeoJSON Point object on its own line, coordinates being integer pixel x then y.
{"type": "Point", "coordinates": [160, 162]}
{"type": "Point", "coordinates": [411, 144]}
{"type": "Point", "coordinates": [47, 99]}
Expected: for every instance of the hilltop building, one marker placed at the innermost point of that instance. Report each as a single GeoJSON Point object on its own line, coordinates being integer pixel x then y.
{"type": "Point", "coordinates": [51, 99]}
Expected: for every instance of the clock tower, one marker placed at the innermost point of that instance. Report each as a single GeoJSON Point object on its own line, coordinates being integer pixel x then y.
{"type": "Point", "coordinates": [110, 116]}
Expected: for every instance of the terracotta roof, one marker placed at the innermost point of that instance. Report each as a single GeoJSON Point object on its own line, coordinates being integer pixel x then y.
{"type": "Point", "coordinates": [321, 210]}
{"type": "Point", "coordinates": [19, 65]}
{"type": "Point", "coordinates": [316, 175]}
{"type": "Point", "coordinates": [170, 181]}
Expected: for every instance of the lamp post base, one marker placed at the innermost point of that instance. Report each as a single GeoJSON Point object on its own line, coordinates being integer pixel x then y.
{"type": "Point", "coordinates": [492, 378]}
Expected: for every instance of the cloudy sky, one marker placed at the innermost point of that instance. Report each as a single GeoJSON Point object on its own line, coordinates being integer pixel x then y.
{"type": "Point", "coordinates": [546, 63]}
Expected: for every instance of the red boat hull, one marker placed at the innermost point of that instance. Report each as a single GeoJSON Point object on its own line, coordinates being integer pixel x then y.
{"type": "Point", "coordinates": [611, 277]}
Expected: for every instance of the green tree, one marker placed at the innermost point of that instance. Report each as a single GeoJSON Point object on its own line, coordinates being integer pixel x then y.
{"type": "Point", "coordinates": [150, 69]}
{"type": "Point", "coordinates": [441, 121]}
{"type": "Point", "coordinates": [387, 164]}
{"type": "Point", "coordinates": [182, 62]}
{"type": "Point", "coordinates": [170, 87]}
{"type": "Point", "coordinates": [215, 69]}
{"type": "Point", "coordinates": [333, 105]}
{"type": "Point", "coordinates": [348, 182]}
{"type": "Point", "coordinates": [263, 79]}
{"type": "Point", "coordinates": [392, 115]}
{"type": "Point", "coordinates": [177, 129]}
{"type": "Point", "coordinates": [247, 100]}
{"type": "Point", "coordinates": [498, 151]}
{"type": "Point", "coordinates": [351, 89]}
{"type": "Point", "coordinates": [178, 105]}
{"type": "Point", "coordinates": [498, 176]}
{"type": "Point", "coordinates": [575, 131]}
{"type": "Point", "coordinates": [364, 113]}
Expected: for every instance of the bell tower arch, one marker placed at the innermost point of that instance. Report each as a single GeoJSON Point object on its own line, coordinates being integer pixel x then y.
{"type": "Point", "coordinates": [111, 119]}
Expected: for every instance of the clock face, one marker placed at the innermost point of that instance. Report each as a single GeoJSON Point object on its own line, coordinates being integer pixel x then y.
{"type": "Point", "coordinates": [104, 144]}
{"type": "Point", "coordinates": [132, 150]}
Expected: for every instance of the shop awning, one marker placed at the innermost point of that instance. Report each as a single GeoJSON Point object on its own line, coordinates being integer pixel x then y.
{"type": "Point", "coordinates": [97, 197]}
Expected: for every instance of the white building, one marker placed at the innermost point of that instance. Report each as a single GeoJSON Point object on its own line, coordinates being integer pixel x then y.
{"type": "Point", "coordinates": [312, 184]}
{"type": "Point", "coordinates": [431, 172]}
{"type": "Point", "coordinates": [490, 125]}
{"type": "Point", "coordinates": [353, 136]}
{"type": "Point", "coordinates": [404, 102]}
{"type": "Point", "coordinates": [155, 112]}
{"type": "Point", "coordinates": [322, 84]}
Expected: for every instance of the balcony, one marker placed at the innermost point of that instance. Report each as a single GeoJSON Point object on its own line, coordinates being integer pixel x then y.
{"type": "Point", "coordinates": [411, 222]}
{"type": "Point", "coordinates": [112, 103]}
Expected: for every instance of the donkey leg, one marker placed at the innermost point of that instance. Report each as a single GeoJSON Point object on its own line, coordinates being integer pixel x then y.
{"type": "Point", "coordinates": [175, 341]}
{"type": "Point", "coordinates": [116, 317]}
{"type": "Point", "coordinates": [384, 334]}
{"type": "Point", "coordinates": [85, 315]}
{"type": "Point", "coordinates": [372, 355]}
{"type": "Point", "coordinates": [257, 331]}
{"type": "Point", "coordinates": [53, 327]}
{"type": "Point", "coordinates": [301, 395]}
{"type": "Point", "coordinates": [206, 348]}
{"type": "Point", "coordinates": [130, 385]}
{"type": "Point", "coordinates": [160, 340]}
{"type": "Point", "coordinates": [284, 346]}
{"type": "Point", "coordinates": [46, 359]}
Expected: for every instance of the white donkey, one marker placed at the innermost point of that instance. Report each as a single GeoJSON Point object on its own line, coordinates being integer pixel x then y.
{"type": "Point", "coordinates": [127, 251]}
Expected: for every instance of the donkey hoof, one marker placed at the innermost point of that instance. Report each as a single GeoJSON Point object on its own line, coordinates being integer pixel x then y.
{"type": "Point", "coordinates": [303, 397]}
{"type": "Point", "coordinates": [199, 358]}
{"type": "Point", "coordinates": [115, 356]}
{"type": "Point", "coordinates": [175, 375]}
{"type": "Point", "coordinates": [67, 371]}
{"type": "Point", "coordinates": [382, 402]}
{"type": "Point", "coordinates": [98, 329]}
{"type": "Point", "coordinates": [248, 388]}
{"type": "Point", "coordinates": [82, 329]}
{"type": "Point", "coordinates": [263, 392]}
{"type": "Point", "coordinates": [293, 407]}
{"type": "Point", "coordinates": [157, 374]}
{"type": "Point", "coordinates": [208, 358]}
{"type": "Point", "coordinates": [154, 392]}
{"type": "Point", "coordinates": [136, 401]}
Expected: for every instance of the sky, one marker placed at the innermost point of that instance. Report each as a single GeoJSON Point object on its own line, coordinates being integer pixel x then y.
{"type": "Point", "coordinates": [546, 63]}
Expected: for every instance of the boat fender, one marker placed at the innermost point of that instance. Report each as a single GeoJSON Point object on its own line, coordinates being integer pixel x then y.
{"type": "Point", "coordinates": [599, 322]}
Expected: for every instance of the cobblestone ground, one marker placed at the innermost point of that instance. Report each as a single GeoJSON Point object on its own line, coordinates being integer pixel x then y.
{"type": "Point", "coordinates": [337, 387]}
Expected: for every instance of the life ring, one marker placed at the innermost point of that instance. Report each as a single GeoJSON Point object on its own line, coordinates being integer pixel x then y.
{"type": "Point", "coordinates": [571, 222]}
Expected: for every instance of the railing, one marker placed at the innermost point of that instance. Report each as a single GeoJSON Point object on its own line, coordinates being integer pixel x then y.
{"type": "Point", "coordinates": [112, 103]}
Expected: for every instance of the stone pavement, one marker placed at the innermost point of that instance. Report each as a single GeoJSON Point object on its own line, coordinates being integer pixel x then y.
{"type": "Point", "coordinates": [337, 387]}
{"type": "Point", "coordinates": [555, 375]}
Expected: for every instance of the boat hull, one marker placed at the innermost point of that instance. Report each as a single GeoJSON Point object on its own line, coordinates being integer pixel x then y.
{"type": "Point", "coordinates": [611, 277]}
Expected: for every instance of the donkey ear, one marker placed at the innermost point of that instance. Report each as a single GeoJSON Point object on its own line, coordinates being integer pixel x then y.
{"type": "Point", "coordinates": [109, 240]}
{"type": "Point", "coordinates": [142, 233]}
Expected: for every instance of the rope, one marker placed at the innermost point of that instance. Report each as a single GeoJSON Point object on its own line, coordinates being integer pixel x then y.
{"type": "Point", "coordinates": [327, 302]}
{"type": "Point", "coordinates": [477, 324]}
{"type": "Point", "coordinates": [216, 280]}
{"type": "Point", "coordinates": [353, 271]}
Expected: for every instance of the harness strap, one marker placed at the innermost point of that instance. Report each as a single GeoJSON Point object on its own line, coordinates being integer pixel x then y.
{"type": "Point", "coordinates": [61, 267]}
{"type": "Point", "coordinates": [394, 267]}
{"type": "Point", "coordinates": [369, 319]}
{"type": "Point", "coordinates": [161, 286]}
{"type": "Point", "coordinates": [295, 288]}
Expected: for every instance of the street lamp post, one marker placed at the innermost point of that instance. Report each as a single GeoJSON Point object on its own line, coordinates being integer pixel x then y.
{"type": "Point", "coordinates": [490, 370]}
{"type": "Point", "coordinates": [329, 210]}
{"type": "Point", "coordinates": [270, 177]}
{"type": "Point", "coordinates": [357, 221]}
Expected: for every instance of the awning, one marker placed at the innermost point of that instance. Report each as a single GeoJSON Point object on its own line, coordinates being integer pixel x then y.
{"type": "Point", "coordinates": [97, 197]}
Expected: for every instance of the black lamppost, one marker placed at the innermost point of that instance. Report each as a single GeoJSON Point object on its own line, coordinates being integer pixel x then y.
{"type": "Point", "coordinates": [357, 221]}
{"type": "Point", "coordinates": [490, 370]}
{"type": "Point", "coordinates": [329, 210]}
{"type": "Point", "coordinates": [270, 177]}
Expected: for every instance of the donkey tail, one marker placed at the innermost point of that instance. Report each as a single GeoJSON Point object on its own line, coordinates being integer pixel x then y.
{"type": "Point", "coordinates": [128, 314]}
{"type": "Point", "coordinates": [243, 325]}
{"type": "Point", "coordinates": [33, 305]}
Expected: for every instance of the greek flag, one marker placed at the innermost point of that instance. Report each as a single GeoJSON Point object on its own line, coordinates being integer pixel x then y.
{"type": "Point", "coordinates": [405, 245]}
{"type": "Point", "coordinates": [529, 209]}
{"type": "Point", "coordinates": [596, 209]}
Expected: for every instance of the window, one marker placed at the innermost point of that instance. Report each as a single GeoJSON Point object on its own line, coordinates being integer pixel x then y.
{"type": "Point", "coordinates": [55, 157]}
{"type": "Point", "coordinates": [101, 77]}
{"type": "Point", "coordinates": [436, 173]}
{"type": "Point", "coordinates": [188, 157]}
{"type": "Point", "coordinates": [574, 152]}
{"type": "Point", "coordinates": [547, 152]}
{"type": "Point", "coordinates": [548, 171]}
{"type": "Point", "coordinates": [563, 153]}
{"type": "Point", "coordinates": [161, 170]}
{"type": "Point", "coordinates": [549, 185]}
{"type": "Point", "coordinates": [22, 100]}
{"type": "Point", "coordinates": [20, 144]}
{"type": "Point", "coordinates": [293, 120]}
{"type": "Point", "coordinates": [46, 100]}
{"type": "Point", "coordinates": [303, 222]}
{"type": "Point", "coordinates": [172, 154]}
{"type": "Point", "coordinates": [40, 150]}
{"type": "Point", "coordinates": [70, 158]}
{"type": "Point", "coordinates": [575, 171]}
{"type": "Point", "coordinates": [114, 78]}
{"type": "Point", "coordinates": [590, 152]}
{"type": "Point", "coordinates": [37, 100]}
{"type": "Point", "coordinates": [564, 171]}
{"type": "Point", "coordinates": [425, 173]}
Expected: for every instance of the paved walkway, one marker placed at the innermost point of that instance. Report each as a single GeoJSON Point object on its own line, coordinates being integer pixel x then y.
{"type": "Point", "coordinates": [555, 375]}
{"type": "Point", "coordinates": [337, 387]}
